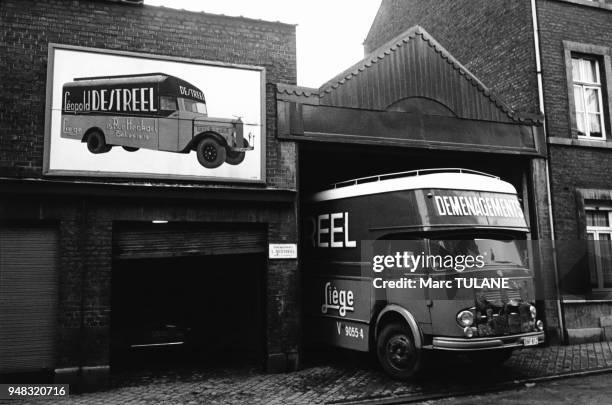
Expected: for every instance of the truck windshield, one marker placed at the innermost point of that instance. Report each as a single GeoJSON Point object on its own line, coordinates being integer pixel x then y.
{"type": "Point", "coordinates": [194, 106]}
{"type": "Point", "coordinates": [495, 252]}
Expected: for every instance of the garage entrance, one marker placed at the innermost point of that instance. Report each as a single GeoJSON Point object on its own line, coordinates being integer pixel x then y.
{"type": "Point", "coordinates": [187, 295]}
{"type": "Point", "coordinates": [322, 164]}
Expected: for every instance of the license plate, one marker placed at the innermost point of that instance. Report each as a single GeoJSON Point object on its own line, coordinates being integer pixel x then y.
{"type": "Point", "coordinates": [530, 340]}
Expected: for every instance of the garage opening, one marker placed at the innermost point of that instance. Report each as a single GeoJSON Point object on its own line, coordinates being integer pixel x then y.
{"type": "Point", "coordinates": [322, 164]}
{"type": "Point", "coordinates": [187, 295]}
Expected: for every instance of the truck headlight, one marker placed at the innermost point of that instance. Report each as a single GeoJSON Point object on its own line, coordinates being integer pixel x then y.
{"type": "Point", "coordinates": [465, 318]}
{"type": "Point", "coordinates": [540, 325]}
{"type": "Point", "coordinates": [533, 311]}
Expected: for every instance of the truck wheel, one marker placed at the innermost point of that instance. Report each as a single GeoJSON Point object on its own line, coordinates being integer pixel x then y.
{"type": "Point", "coordinates": [96, 143]}
{"type": "Point", "coordinates": [397, 352]}
{"type": "Point", "coordinates": [210, 153]}
{"type": "Point", "coordinates": [130, 148]}
{"type": "Point", "coordinates": [235, 158]}
{"type": "Point", "coordinates": [490, 357]}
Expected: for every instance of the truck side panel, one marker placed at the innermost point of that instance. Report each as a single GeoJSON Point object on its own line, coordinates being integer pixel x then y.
{"type": "Point", "coordinates": [339, 311]}
{"type": "Point", "coordinates": [137, 132]}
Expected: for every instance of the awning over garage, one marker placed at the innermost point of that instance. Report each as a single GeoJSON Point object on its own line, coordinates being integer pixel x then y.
{"type": "Point", "coordinates": [409, 93]}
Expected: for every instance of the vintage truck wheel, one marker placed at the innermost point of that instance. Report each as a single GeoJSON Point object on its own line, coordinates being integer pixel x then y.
{"type": "Point", "coordinates": [235, 158]}
{"type": "Point", "coordinates": [96, 143]}
{"type": "Point", "coordinates": [130, 148]}
{"type": "Point", "coordinates": [397, 353]}
{"type": "Point", "coordinates": [210, 153]}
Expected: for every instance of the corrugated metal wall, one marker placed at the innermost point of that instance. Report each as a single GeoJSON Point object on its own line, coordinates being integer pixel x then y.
{"type": "Point", "coordinates": [414, 68]}
{"type": "Point", "coordinates": [28, 298]}
{"type": "Point", "coordinates": [166, 240]}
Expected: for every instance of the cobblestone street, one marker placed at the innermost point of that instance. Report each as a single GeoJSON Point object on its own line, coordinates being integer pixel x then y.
{"type": "Point", "coordinates": [588, 390]}
{"type": "Point", "coordinates": [342, 377]}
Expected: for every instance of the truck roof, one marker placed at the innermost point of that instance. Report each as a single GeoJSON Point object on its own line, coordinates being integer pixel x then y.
{"type": "Point", "coordinates": [445, 178]}
{"type": "Point", "coordinates": [167, 84]}
{"type": "Point", "coordinates": [120, 79]}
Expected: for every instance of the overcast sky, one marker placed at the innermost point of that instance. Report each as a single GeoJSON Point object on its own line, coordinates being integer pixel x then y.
{"type": "Point", "coordinates": [330, 33]}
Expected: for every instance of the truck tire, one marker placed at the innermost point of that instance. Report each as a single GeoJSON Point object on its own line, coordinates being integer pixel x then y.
{"type": "Point", "coordinates": [130, 148]}
{"type": "Point", "coordinates": [210, 153]}
{"type": "Point", "coordinates": [235, 158]}
{"type": "Point", "coordinates": [96, 143]}
{"type": "Point", "coordinates": [491, 357]}
{"type": "Point", "coordinates": [397, 353]}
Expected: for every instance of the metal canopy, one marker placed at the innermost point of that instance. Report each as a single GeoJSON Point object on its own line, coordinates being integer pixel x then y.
{"type": "Point", "coordinates": [409, 93]}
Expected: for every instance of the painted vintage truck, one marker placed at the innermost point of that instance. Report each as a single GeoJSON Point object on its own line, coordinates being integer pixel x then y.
{"type": "Point", "coordinates": [153, 111]}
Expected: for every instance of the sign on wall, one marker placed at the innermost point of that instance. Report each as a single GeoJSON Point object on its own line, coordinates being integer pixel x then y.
{"type": "Point", "coordinates": [282, 251]}
{"type": "Point", "coordinates": [126, 114]}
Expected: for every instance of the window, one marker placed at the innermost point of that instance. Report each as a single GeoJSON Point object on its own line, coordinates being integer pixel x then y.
{"type": "Point", "coordinates": [168, 103]}
{"type": "Point", "coordinates": [497, 251]}
{"type": "Point", "coordinates": [194, 106]}
{"type": "Point", "coordinates": [599, 233]}
{"type": "Point", "coordinates": [588, 102]}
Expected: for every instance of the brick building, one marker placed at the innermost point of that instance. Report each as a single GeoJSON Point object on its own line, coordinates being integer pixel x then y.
{"type": "Point", "coordinates": [100, 258]}
{"type": "Point", "coordinates": [82, 255]}
{"type": "Point", "coordinates": [507, 44]}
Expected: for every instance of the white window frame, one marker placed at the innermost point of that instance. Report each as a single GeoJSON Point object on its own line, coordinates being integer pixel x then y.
{"type": "Point", "coordinates": [584, 86]}
{"type": "Point", "coordinates": [596, 231]}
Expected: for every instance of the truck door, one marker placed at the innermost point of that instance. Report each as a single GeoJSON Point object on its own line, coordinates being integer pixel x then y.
{"type": "Point", "coordinates": [189, 111]}
{"type": "Point", "coordinates": [407, 267]}
{"type": "Point", "coordinates": [168, 123]}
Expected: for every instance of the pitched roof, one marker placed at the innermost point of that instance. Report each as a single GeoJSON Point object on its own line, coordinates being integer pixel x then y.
{"type": "Point", "coordinates": [412, 64]}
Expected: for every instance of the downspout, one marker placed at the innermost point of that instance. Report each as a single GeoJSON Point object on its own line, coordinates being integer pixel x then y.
{"type": "Point", "coordinates": [536, 44]}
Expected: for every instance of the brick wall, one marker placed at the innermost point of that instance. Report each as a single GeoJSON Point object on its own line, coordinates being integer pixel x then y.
{"type": "Point", "coordinates": [87, 227]}
{"type": "Point", "coordinates": [571, 167]}
{"type": "Point", "coordinates": [559, 21]}
{"type": "Point", "coordinates": [86, 224]}
{"type": "Point", "coordinates": [501, 55]}
{"type": "Point", "coordinates": [576, 167]}
{"type": "Point", "coordinates": [28, 27]}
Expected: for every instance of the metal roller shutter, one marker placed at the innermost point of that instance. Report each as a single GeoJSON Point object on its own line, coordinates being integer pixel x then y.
{"type": "Point", "coordinates": [164, 240]}
{"type": "Point", "coordinates": [28, 298]}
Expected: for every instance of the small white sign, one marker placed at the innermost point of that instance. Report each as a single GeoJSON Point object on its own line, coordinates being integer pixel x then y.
{"type": "Point", "coordinates": [282, 251]}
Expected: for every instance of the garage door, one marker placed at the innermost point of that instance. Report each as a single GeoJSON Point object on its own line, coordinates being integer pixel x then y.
{"type": "Point", "coordinates": [141, 241]}
{"type": "Point", "coordinates": [28, 298]}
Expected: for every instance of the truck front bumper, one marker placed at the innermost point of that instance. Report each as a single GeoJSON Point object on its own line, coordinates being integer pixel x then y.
{"type": "Point", "coordinates": [485, 343]}
{"type": "Point", "coordinates": [236, 149]}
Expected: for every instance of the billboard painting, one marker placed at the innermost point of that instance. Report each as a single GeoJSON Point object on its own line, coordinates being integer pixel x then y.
{"type": "Point", "coordinates": [121, 114]}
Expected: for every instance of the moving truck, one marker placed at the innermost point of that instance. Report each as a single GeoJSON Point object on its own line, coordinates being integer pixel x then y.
{"type": "Point", "coordinates": [154, 111]}
{"type": "Point", "coordinates": [404, 263]}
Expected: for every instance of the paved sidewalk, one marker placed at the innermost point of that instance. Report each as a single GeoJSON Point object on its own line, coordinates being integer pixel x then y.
{"type": "Point", "coordinates": [340, 377]}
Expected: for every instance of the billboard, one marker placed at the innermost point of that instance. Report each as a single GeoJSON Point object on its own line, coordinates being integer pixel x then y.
{"type": "Point", "coordinates": [126, 114]}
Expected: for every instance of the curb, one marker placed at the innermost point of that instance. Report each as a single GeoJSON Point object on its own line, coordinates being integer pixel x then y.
{"type": "Point", "coordinates": [502, 386]}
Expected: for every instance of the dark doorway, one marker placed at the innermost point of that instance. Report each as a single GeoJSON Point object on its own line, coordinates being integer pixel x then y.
{"type": "Point", "coordinates": [196, 310]}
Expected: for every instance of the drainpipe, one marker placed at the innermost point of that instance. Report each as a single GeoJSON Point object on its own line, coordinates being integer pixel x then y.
{"type": "Point", "coordinates": [536, 44]}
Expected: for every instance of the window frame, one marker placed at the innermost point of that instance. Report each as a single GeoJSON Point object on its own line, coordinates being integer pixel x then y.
{"type": "Point", "coordinates": [602, 55]}
{"type": "Point", "coordinates": [183, 105]}
{"type": "Point", "coordinates": [596, 230]}
{"type": "Point", "coordinates": [597, 86]}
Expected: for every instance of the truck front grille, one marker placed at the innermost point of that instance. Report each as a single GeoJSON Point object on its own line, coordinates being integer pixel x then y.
{"type": "Point", "coordinates": [502, 296]}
